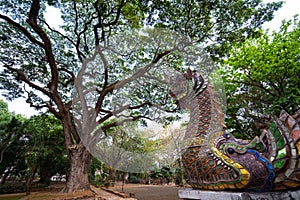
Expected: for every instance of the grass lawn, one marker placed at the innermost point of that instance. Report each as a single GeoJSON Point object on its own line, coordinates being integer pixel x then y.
{"type": "Point", "coordinates": [12, 196]}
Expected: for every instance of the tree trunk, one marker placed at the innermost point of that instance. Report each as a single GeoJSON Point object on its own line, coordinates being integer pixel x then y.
{"type": "Point", "coordinates": [80, 160]}
{"type": "Point", "coordinates": [181, 175]}
{"type": "Point", "coordinates": [30, 178]}
{"type": "Point", "coordinates": [112, 174]}
{"type": "Point", "coordinates": [45, 175]}
{"type": "Point", "coordinates": [5, 175]}
{"type": "Point", "coordinates": [31, 175]}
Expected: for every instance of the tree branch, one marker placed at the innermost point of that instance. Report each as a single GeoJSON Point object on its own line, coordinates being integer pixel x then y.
{"type": "Point", "coordinates": [102, 25]}
{"type": "Point", "coordinates": [78, 34]}
{"type": "Point", "coordinates": [21, 76]}
{"type": "Point", "coordinates": [119, 123]}
{"type": "Point", "coordinates": [122, 3]}
{"type": "Point", "coordinates": [122, 83]}
{"type": "Point", "coordinates": [59, 33]}
{"type": "Point", "coordinates": [257, 84]}
{"type": "Point", "coordinates": [32, 21]}
{"type": "Point", "coordinates": [23, 30]}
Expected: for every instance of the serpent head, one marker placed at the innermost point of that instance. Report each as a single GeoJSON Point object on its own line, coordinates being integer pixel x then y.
{"type": "Point", "coordinates": [246, 155]}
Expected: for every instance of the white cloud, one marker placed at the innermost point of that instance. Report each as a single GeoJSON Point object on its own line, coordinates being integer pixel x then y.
{"type": "Point", "coordinates": [53, 17]}
{"type": "Point", "coordinates": [19, 106]}
{"type": "Point", "coordinates": [287, 11]}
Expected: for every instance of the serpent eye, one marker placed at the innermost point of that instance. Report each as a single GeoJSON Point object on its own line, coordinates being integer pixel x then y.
{"type": "Point", "coordinates": [230, 151]}
{"type": "Point", "coordinates": [226, 135]}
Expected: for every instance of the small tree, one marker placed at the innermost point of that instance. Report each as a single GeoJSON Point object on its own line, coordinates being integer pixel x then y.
{"type": "Point", "coordinates": [12, 143]}
{"type": "Point", "coordinates": [262, 77]}
{"type": "Point", "coordinates": [45, 152]}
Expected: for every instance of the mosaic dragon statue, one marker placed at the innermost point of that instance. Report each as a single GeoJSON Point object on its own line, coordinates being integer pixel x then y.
{"type": "Point", "coordinates": [215, 160]}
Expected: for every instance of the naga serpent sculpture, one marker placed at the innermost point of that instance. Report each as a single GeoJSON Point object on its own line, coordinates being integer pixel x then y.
{"type": "Point", "coordinates": [215, 160]}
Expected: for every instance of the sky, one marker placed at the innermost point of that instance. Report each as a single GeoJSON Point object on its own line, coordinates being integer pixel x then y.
{"type": "Point", "coordinates": [288, 10]}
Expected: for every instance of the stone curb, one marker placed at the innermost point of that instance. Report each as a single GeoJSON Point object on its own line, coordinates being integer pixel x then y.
{"type": "Point", "coordinates": [190, 194]}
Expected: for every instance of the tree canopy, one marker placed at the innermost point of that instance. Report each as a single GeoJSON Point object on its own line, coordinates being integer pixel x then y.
{"type": "Point", "coordinates": [262, 77]}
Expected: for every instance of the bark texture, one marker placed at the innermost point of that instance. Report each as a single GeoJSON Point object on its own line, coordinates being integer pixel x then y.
{"type": "Point", "coordinates": [80, 160]}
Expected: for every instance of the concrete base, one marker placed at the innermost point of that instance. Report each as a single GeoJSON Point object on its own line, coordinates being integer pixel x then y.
{"type": "Point", "coordinates": [225, 195]}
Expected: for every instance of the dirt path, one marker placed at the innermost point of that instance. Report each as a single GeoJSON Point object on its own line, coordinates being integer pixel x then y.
{"type": "Point", "coordinates": [150, 192]}
{"type": "Point", "coordinates": [140, 192]}
{"type": "Point", "coordinates": [107, 195]}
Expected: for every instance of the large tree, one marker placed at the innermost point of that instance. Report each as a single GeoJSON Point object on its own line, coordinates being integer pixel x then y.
{"type": "Point", "coordinates": [42, 63]}
{"type": "Point", "coordinates": [262, 78]}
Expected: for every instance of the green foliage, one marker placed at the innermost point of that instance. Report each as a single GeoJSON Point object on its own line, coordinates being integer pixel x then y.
{"type": "Point", "coordinates": [12, 146]}
{"type": "Point", "coordinates": [163, 175]}
{"type": "Point", "coordinates": [133, 179]}
{"type": "Point", "coordinates": [4, 113]}
{"type": "Point", "coordinates": [45, 149]}
{"type": "Point", "coordinates": [10, 134]}
{"type": "Point", "coordinates": [28, 144]}
{"type": "Point", "coordinates": [127, 148]}
{"type": "Point", "coordinates": [134, 13]}
{"type": "Point", "coordinates": [97, 179]}
{"type": "Point", "coordinates": [262, 77]}
{"type": "Point", "coordinates": [215, 21]}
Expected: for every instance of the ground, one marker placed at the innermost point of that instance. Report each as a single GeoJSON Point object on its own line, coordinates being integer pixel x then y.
{"type": "Point", "coordinates": [147, 192]}
{"type": "Point", "coordinates": [138, 191]}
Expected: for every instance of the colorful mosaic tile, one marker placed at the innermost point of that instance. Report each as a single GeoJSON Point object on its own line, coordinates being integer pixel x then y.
{"type": "Point", "coordinates": [215, 160]}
